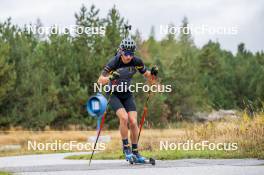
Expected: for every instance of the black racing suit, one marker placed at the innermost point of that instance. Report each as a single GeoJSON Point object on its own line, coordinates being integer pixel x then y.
{"type": "Point", "coordinates": [123, 99]}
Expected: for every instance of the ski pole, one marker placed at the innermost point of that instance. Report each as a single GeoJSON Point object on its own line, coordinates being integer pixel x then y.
{"type": "Point", "coordinates": [145, 112]}
{"type": "Point", "coordinates": [100, 129]}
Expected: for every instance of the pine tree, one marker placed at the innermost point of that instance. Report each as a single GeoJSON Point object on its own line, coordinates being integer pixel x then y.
{"type": "Point", "coordinates": [7, 83]}
{"type": "Point", "coordinates": [7, 73]}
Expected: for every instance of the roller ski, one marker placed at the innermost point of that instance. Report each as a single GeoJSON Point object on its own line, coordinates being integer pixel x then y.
{"type": "Point", "coordinates": [138, 159]}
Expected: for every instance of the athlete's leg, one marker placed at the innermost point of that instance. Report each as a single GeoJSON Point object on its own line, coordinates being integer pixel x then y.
{"type": "Point", "coordinates": [130, 106]}
{"type": "Point", "coordinates": [134, 135]}
{"type": "Point", "coordinates": [123, 120]}
{"type": "Point", "coordinates": [118, 107]}
{"type": "Point", "coordinates": [133, 126]}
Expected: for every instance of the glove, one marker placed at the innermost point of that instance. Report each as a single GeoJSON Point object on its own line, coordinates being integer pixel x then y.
{"type": "Point", "coordinates": [154, 71]}
{"type": "Point", "coordinates": [115, 75]}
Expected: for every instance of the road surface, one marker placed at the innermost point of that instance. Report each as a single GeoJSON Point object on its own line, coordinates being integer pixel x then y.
{"type": "Point", "coordinates": [54, 164]}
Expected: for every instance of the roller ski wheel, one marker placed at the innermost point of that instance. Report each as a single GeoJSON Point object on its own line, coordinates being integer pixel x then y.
{"type": "Point", "coordinates": [131, 160]}
{"type": "Point", "coordinates": [152, 161]}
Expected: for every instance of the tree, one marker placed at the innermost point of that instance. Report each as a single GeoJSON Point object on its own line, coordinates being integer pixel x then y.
{"type": "Point", "coordinates": [7, 82]}
{"type": "Point", "coordinates": [7, 73]}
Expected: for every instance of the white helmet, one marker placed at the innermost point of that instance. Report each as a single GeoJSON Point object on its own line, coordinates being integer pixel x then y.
{"type": "Point", "coordinates": [128, 44]}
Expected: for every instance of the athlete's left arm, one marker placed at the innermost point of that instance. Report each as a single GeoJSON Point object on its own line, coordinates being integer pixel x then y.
{"type": "Point", "coordinates": [153, 80]}
{"type": "Point", "coordinates": [140, 66]}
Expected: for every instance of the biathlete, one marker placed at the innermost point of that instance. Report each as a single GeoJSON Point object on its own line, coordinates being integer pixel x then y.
{"type": "Point", "coordinates": [119, 71]}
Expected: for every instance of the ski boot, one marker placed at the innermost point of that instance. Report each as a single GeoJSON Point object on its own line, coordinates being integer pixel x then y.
{"type": "Point", "coordinates": [128, 154]}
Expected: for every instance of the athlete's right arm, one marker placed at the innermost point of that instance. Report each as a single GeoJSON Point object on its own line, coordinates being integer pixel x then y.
{"type": "Point", "coordinates": [105, 75]}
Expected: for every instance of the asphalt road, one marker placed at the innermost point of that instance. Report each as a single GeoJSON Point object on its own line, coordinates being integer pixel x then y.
{"type": "Point", "coordinates": [54, 164]}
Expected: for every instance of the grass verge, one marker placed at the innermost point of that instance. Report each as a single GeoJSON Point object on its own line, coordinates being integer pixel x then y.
{"type": "Point", "coordinates": [247, 132]}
